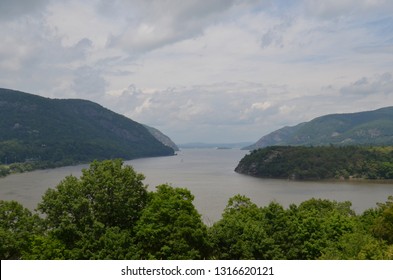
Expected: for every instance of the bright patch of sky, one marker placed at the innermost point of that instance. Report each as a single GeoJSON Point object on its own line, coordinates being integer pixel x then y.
{"type": "Point", "coordinates": [210, 71]}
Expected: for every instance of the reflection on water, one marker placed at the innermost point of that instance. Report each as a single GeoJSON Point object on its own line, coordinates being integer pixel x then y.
{"type": "Point", "coordinates": [209, 174]}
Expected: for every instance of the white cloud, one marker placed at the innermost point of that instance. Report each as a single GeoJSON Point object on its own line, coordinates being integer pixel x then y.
{"type": "Point", "coordinates": [201, 70]}
{"type": "Point", "coordinates": [261, 105]}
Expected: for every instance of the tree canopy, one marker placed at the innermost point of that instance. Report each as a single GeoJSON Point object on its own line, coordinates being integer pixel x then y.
{"type": "Point", "coordinates": [322, 162]}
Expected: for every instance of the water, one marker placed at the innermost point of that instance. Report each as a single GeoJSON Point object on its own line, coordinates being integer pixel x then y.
{"type": "Point", "coordinates": [209, 175]}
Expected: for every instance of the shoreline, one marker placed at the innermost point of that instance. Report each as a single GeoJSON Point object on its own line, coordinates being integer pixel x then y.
{"type": "Point", "coordinates": [25, 167]}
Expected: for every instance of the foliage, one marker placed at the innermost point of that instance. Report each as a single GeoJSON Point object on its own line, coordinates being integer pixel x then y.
{"type": "Point", "coordinates": [241, 234]}
{"type": "Point", "coordinates": [357, 246]}
{"type": "Point", "coordinates": [300, 232]}
{"type": "Point", "coordinates": [383, 227]}
{"type": "Point", "coordinates": [17, 226]}
{"type": "Point", "coordinates": [323, 162]}
{"type": "Point", "coordinates": [4, 170]}
{"type": "Point", "coordinates": [108, 213]}
{"type": "Point", "coordinates": [315, 224]}
{"type": "Point", "coordinates": [108, 195]}
{"type": "Point", "coordinates": [170, 227]}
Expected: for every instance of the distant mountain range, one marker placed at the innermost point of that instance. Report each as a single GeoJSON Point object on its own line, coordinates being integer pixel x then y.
{"type": "Point", "coordinates": [201, 145]}
{"type": "Point", "coordinates": [362, 128]}
{"type": "Point", "coordinates": [67, 131]}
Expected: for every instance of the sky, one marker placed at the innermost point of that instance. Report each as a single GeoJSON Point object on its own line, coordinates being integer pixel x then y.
{"type": "Point", "coordinates": [203, 71]}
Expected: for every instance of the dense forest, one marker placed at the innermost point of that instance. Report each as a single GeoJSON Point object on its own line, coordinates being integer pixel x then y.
{"type": "Point", "coordinates": [322, 162]}
{"type": "Point", "coordinates": [38, 132]}
{"type": "Point", "coordinates": [108, 213]}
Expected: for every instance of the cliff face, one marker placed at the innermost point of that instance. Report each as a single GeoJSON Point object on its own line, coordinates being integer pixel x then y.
{"type": "Point", "coordinates": [162, 138]}
{"type": "Point", "coordinates": [72, 130]}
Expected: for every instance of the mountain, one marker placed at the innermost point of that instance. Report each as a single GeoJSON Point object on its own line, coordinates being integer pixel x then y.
{"type": "Point", "coordinates": [162, 137]}
{"type": "Point", "coordinates": [362, 128]}
{"type": "Point", "coordinates": [67, 131]}
{"type": "Point", "coordinates": [201, 145]}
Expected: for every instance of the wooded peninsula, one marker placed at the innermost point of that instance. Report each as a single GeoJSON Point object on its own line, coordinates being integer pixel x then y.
{"type": "Point", "coordinates": [318, 163]}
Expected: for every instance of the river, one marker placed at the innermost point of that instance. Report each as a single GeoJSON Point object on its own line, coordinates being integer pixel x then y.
{"type": "Point", "coordinates": [209, 175]}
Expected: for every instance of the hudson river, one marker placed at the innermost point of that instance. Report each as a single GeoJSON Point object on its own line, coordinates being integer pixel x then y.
{"type": "Point", "coordinates": [209, 175]}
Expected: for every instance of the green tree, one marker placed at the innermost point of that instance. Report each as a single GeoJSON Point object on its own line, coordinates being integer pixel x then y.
{"type": "Point", "coordinates": [46, 247]}
{"type": "Point", "coordinates": [170, 227]}
{"type": "Point", "coordinates": [356, 246]}
{"type": "Point", "coordinates": [314, 224]}
{"type": "Point", "coordinates": [116, 193]}
{"type": "Point", "coordinates": [383, 227]}
{"type": "Point", "coordinates": [108, 198]}
{"type": "Point", "coordinates": [4, 170]}
{"type": "Point", "coordinates": [241, 234]}
{"type": "Point", "coordinates": [17, 227]}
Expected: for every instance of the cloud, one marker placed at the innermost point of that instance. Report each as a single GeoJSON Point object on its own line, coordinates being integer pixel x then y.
{"type": "Point", "coordinates": [155, 27]}
{"type": "Point", "coordinates": [261, 105]}
{"type": "Point", "coordinates": [33, 59]}
{"type": "Point", "coordinates": [11, 9]}
{"type": "Point", "coordinates": [376, 85]}
{"type": "Point", "coordinates": [342, 8]}
{"type": "Point", "coordinates": [155, 24]}
{"type": "Point", "coordinates": [88, 83]}
{"type": "Point", "coordinates": [204, 108]}
{"type": "Point", "coordinates": [201, 70]}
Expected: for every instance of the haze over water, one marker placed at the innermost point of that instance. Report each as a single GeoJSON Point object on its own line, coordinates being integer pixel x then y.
{"type": "Point", "coordinates": [209, 175]}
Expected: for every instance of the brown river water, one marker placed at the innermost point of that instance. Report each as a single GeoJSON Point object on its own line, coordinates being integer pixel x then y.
{"type": "Point", "coordinates": [209, 175]}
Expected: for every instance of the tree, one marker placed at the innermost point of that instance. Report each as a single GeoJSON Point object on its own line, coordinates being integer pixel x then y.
{"type": "Point", "coordinates": [315, 224]}
{"type": "Point", "coordinates": [383, 227]}
{"type": "Point", "coordinates": [4, 170]}
{"type": "Point", "coordinates": [108, 198]}
{"type": "Point", "coordinates": [17, 227]}
{"type": "Point", "coordinates": [170, 227]}
{"type": "Point", "coordinates": [241, 234]}
{"type": "Point", "coordinates": [116, 193]}
{"type": "Point", "coordinates": [357, 246]}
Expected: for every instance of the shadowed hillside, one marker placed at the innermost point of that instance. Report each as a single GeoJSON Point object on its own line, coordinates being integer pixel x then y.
{"type": "Point", "coordinates": [65, 131]}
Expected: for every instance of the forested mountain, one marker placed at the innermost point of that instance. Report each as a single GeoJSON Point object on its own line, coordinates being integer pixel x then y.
{"type": "Point", "coordinates": [162, 137]}
{"type": "Point", "coordinates": [55, 132]}
{"type": "Point", "coordinates": [363, 128]}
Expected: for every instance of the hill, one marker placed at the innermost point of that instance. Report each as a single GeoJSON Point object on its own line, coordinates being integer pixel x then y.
{"type": "Point", "coordinates": [54, 132]}
{"type": "Point", "coordinates": [362, 128]}
{"type": "Point", "coordinates": [322, 162]}
{"type": "Point", "coordinates": [162, 137]}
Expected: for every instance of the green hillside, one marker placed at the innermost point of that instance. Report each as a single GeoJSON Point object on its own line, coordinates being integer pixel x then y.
{"type": "Point", "coordinates": [322, 162]}
{"type": "Point", "coordinates": [162, 137]}
{"type": "Point", "coordinates": [363, 128]}
{"type": "Point", "coordinates": [54, 132]}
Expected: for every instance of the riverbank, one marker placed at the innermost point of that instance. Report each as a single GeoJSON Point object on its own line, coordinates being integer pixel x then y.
{"type": "Point", "coordinates": [22, 167]}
